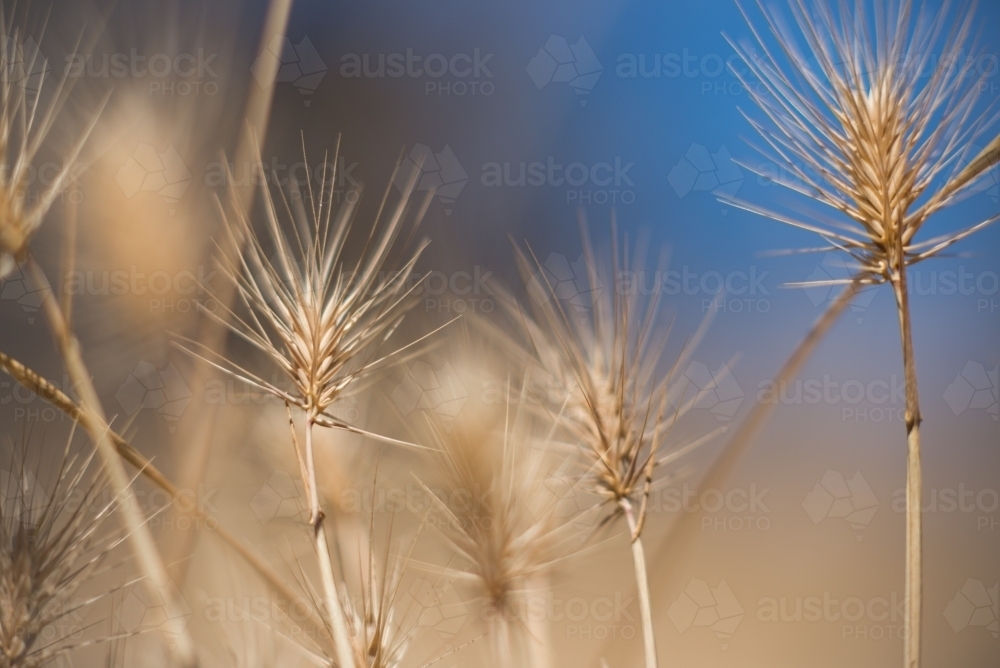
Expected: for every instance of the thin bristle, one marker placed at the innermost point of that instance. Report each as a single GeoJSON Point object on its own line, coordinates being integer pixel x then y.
{"type": "Point", "coordinates": [51, 542]}
{"type": "Point", "coordinates": [24, 127]}
{"type": "Point", "coordinates": [319, 317]}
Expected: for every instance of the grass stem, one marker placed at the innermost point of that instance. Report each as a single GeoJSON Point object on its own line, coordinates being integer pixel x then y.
{"type": "Point", "coordinates": [914, 483]}
{"type": "Point", "coordinates": [642, 583]}
{"type": "Point", "coordinates": [92, 415]}
{"type": "Point", "coordinates": [338, 622]}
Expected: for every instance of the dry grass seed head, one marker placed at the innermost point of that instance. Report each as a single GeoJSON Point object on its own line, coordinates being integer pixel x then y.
{"type": "Point", "coordinates": [24, 125]}
{"type": "Point", "coordinates": [317, 313]}
{"type": "Point", "coordinates": [51, 542]}
{"type": "Point", "coordinates": [499, 515]}
{"type": "Point", "coordinates": [621, 403]}
{"type": "Point", "coordinates": [874, 118]}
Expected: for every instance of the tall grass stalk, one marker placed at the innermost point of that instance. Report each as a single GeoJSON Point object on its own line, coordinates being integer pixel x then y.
{"type": "Point", "coordinates": [320, 316]}
{"type": "Point", "coordinates": [622, 401]}
{"type": "Point", "coordinates": [139, 535]}
{"type": "Point", "coordinates": [197, 438]}
{"type": "Point", "coordinates": [871, 128]}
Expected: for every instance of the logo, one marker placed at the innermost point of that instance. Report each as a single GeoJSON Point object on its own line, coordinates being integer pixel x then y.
{"type": "Point", "coordinates": [564, 280]}
{"type": "Point", "coordinates": [280, 497]}
{"type": "Point", "coordinates": [974, 387]}
{"type": "Point", "coordinates": [700, 170]}
{"type": "Point", "coordinates": [147, 387]}
{"type": "Point", "coordinates": [559, 62]}
{"type": "Point", "coordinates": [423, 388]}
{"type": "Point", "coordinates": [143, 610]}
{"type": "Point", "coordinates": [22, 499]}
{"type": "Point", "coordinates": [834, 267]}
{"type": "Point", "coordinates": [701, 605]}
{"type": "Point", "coordinates": [148, 170]}
{"type": "Point", "coordinates": [15, 286]}
{"type": "Point", "coordinates": [974, 605]}
{"type": "Point", "coordinates": [22, 64]}
{"type": "Point", "coordinates": [717, 392]}
{"type": "Point", "coordinates": [299, 65]}
{"type": "Point", "coordinates": [440, 607]}
{"type": "Point", "coordinates": [440, 172]}
{"type": "Point", "coordinates": [834, 496]}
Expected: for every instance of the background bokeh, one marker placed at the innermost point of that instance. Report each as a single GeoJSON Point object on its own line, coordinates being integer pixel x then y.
{"type": "Point", "coordinates": [645, 132]}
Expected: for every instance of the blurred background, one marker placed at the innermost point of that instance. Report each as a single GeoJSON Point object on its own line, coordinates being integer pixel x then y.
{"type": "Point", "coordinates": [524, 116]}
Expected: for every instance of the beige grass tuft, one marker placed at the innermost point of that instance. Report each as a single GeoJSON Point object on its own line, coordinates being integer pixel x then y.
{"type": "Point", "coordinates": [870, 124]}
{"type": "Point", "coordinates": [52, 540]}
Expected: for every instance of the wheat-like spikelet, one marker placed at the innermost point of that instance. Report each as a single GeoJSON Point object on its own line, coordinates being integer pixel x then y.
{"type": "Point", "coordinates": [319, 313]}
{"type": "Point", "coordinates": [320, 316]}
{"type": "Point", "coordinates": [877, 125]}
{"type": "Point", "coordinates": [876, 129]}
{"type": "Point", "coordinates": [621, 403]}
{"type": "Point", "coordinates": [24, 125]}
{"type": "Point", "coordinates": [51, 542]}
